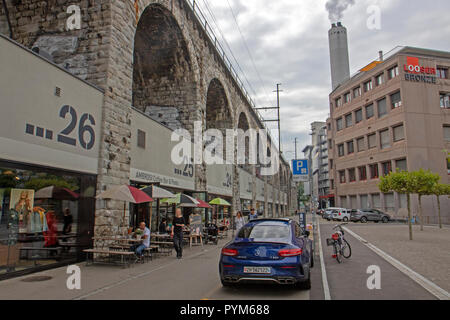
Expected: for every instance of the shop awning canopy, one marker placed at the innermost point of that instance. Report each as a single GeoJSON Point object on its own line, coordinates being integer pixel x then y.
{"type": "Point", "coordinates": [220, 202]}
{"type": "Point", "coordinates": [182, 200]}
{"type": "Point", "coordinates": [126, 193]}
{"type": "Point", "coordinates": [157, 192]}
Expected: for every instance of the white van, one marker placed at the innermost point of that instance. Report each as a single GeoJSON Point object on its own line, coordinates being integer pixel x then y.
{"type": "Point", "coordinates": [341, 214]}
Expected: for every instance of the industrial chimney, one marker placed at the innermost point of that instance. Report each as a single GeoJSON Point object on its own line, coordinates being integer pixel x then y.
{"type": "Point", "coordinates": [340, 65]}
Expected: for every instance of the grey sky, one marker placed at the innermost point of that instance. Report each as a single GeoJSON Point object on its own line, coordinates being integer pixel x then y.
{"type": "Point", "coordinates": [288, 40]}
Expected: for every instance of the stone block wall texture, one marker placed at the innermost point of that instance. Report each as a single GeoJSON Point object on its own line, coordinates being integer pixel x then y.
{"type": "Point", "coordinates": [164, 65]}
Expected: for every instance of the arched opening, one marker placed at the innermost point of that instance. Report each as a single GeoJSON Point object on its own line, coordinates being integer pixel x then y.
{"type": "Point", "coordinates": [243, 124]}
{"type": "Point", "coordinates": [163, 80]}
{"type": "Point", "coordinates": [218, 115]}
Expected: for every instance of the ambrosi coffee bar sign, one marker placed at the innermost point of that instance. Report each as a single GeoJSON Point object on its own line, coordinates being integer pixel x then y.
{"type": "Point", "coordinates": [417, 73]}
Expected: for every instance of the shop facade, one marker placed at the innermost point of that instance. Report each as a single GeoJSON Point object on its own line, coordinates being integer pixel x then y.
{"type": "Point", "coordinates": [49, 142]}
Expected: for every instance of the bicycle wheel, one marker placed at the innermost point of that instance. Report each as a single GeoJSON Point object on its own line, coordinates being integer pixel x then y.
{"type": "Point", "coordinates": [346, 250]}
{"type": "Point", "coordinates": [337, 252]}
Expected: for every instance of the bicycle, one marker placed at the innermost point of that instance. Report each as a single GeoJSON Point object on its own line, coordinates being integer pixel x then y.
{"type": "Point", "coordinates": [340, 246]}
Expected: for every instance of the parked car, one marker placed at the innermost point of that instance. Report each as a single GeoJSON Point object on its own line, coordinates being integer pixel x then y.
{"type": "Point", "coordinates": [268, 250]}
{"type": "Point", "coordinates": [328, 214]}
{"type": "Point", "coordinates": [341, 214]}
{"type": "Point", "coordinates": [320, 212]}
{"type": "Point", "coordinates": [365, 215]}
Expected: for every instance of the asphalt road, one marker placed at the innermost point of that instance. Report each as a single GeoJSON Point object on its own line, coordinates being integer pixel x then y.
{"type": "Point", "coordinates": [195, 277]}
{"type": "Point", "coordinates": [349, 279]}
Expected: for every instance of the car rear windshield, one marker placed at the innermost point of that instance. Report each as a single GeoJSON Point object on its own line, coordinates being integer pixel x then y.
{"type": "Point", "coordinates": [264, 232]}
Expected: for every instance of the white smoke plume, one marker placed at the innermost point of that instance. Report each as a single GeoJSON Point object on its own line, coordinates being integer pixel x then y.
{"type": "Point", "coordinates": [336, 9]}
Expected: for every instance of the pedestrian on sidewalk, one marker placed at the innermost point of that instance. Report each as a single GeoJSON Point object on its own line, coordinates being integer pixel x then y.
{"type": "Point", "coordinates": [177, 232]}
{"type": "Point", "coordinates": [253, 215]}
{"type": "Point", "coordinates": [240, 221]}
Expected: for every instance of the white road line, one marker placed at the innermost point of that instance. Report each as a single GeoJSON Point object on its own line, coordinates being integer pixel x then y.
{"type": "Point", "coordinates": [431, 287]}
{"type": "Point", "coordinates": [326, 288]}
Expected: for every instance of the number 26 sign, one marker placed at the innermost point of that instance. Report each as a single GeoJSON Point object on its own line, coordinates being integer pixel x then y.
{"type": "Point", "coordinates": [76, 131]}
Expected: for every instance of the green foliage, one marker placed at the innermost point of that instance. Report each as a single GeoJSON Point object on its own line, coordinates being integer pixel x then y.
{"type": "Point", "coordinates": [424, 181]}
{"type": "Point", "coordinates": [400, 182]}
{"type": "Point", "coordinates": [441, 189]}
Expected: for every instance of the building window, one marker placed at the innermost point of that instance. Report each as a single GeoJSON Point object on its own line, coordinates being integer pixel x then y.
{"type": "Point", "coordinates": [339, 124]}
{"type": "Point", "coordinates": [350, 147]}
{"type": "Point", "coordinates": [342, 176]}
{"type": "Point", "coordinates": [445, 100]}
{"type": "Point", "coordinates": [341, 150]}
{"type": "Point", "coordinates": [369, 111]}
{"type": "Point", "coordinates": [330, 144]}
{"type": "Point", "coordinates": [362, 173]}
{"type": "Point", "coordinates": [387, 168]}
{"type": "Point", "coordinates": [332, 183]}
{"type": "Point", "coordinates": [447, 133]}
{"type": "Point", "coordinates": [347, 97]}
{"type": "Point", "coordinates": [401, 165]}
{"type": "Point", "coordinates": [382, 109]}
{"type": "Point", "coordinates": [331, 164]}
{"type": "Point", "coordinates": [374, 171]}
{"type": "Point", "coordinates": [364, 199]}
{"type": "Point", "coordinates": [358, 115]}
{"type": "Point", "coordinates": [379, 79]}
{"type": "Point", "coordinates": [399, 133]}
{"type": "Point", "coordinates": [351, 175]}
{"type": "Point", "coordinates": [141, 139]}
{"type": "Point", "coordinates": [396, 100]}
{"type": "Point", "coordinates": [361, 144]}
{"type": "Point", "coordinates": [329, 126]}
{"type": "Point", "coordinates": [338, 102]}
{"type": "Point", "coordinates": [368, 86]}
{"type": "Point", "coordinates": [348, 120]}
{"type": "Point", "coordinates": [442, 73]}
{"type": "Point", "coordinates": [376, 199]}
{"type": "Point", "coordinates": [393, 72]}
{"type": "Point", "coordinates": [357, 92]}
{"type": "Point", "coordinates": [389, 202]}
{"type": "Point", "coordinates": [372, 138]}
{"type": "Point", "coordinates": [385, 139]}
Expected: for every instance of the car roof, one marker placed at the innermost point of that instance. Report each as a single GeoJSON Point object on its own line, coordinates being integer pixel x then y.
{"type": "Point", "coordinates": [280, 220]}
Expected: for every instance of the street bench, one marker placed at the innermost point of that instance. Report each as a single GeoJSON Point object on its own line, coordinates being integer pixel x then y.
{"type": "Point", "coordinates": [125, 257]}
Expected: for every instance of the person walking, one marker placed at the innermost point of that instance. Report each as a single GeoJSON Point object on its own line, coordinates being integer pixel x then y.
{"type": "Point", "coordinates": [253, 215]}
{"type": "Point", "coordinates": [240, 221]}
{"type": "Point", "coordinates": [177, 232]}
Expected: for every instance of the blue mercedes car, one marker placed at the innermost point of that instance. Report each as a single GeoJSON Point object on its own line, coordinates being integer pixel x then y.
{"type": "Point", "coordinates": [268, 251]}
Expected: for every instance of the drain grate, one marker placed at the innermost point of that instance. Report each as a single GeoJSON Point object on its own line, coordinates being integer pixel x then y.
{"type": "Point", "coordinates": [37, 279]}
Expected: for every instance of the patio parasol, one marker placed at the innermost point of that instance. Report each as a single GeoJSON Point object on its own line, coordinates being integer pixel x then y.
{"type": "Point", "coordinates": [220, 202]}
{"type": "Point", "coordinates": [203, 204]}
{"type": "Point", "coordinates": [156, 193]}
{"type": "Point", "coordinates": [127, 194]}
{"type": "Point", "coordinates": [182, 200]}
{"type": "Point", "coordinates": [57, 193]}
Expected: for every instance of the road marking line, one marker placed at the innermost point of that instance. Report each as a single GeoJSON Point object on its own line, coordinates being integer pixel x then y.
{"type": "Point", "coordinates": [431, 287]}
{"type": "Point", "coordinates": [326, 288]}
{"type": "Point", "coordinates": [116, 284]}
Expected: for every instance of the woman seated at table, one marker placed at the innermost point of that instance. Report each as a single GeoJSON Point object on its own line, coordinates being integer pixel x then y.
{"type": "Point", "coordinates": [145, 240]}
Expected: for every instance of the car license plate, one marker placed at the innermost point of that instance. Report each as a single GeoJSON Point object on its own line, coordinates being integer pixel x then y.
{"type": "Point", "coordinates": [258, 270]}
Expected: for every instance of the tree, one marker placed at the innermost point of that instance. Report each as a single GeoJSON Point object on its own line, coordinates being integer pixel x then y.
{"type": "Point", "coordinates": [423, 184]}
{"type": "Point", "coordinates": [402, 183]}
{"type": "Point", "coordinates": [440, 190]}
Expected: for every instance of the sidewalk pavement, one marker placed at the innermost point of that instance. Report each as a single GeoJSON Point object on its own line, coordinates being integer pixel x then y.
{"type": "Point", "coordinates": [94, 279]}
{"type": "Point", "coordinates": [428, 254]}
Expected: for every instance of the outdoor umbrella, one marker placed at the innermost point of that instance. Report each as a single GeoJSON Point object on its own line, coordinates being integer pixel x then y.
{"type": "Point", "coordinates": [203, 204]}
{"type": "Point", "coordinates": [57, 193]}
{"type": "Point", "coordinates": [125, 193]}
{"type": "Point", "coordinates": [156, 193]}
{"type": "Point", "coordinates": [220, 202]}
{"type": "Point", "coordinates": [182, 200]}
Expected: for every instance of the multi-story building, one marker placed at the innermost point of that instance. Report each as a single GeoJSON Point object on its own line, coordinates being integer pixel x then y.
{"type": "Point", "coordinates": [392, 115]}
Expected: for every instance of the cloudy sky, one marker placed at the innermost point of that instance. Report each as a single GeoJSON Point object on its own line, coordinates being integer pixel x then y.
{"type": "Point", "coordinates": [288, 44]}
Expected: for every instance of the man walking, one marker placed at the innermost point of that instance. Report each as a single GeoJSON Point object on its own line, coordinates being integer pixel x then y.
{"type": "Point", "coordinates": [253, 215]}
{"type": "Point", "coordinates": [177, 232]}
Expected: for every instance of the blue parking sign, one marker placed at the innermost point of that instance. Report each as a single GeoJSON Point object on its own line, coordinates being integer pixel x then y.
{"type": "Point", "coordinates": [300, 167]}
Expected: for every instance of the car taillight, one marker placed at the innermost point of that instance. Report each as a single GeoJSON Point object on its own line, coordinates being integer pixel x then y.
{"type": "Point", "coordinates": [335, 236]}
{"type": "Point", "coordinates": [290, 252]}
{"type": "Point", "coordinates": [229, 252]}
{"type": "Point", "coordinates": [334, 256]}
{"type": "Point", "coordinates": [340, 213]}
{"type": "Point", "coordinates": [228, 266]}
